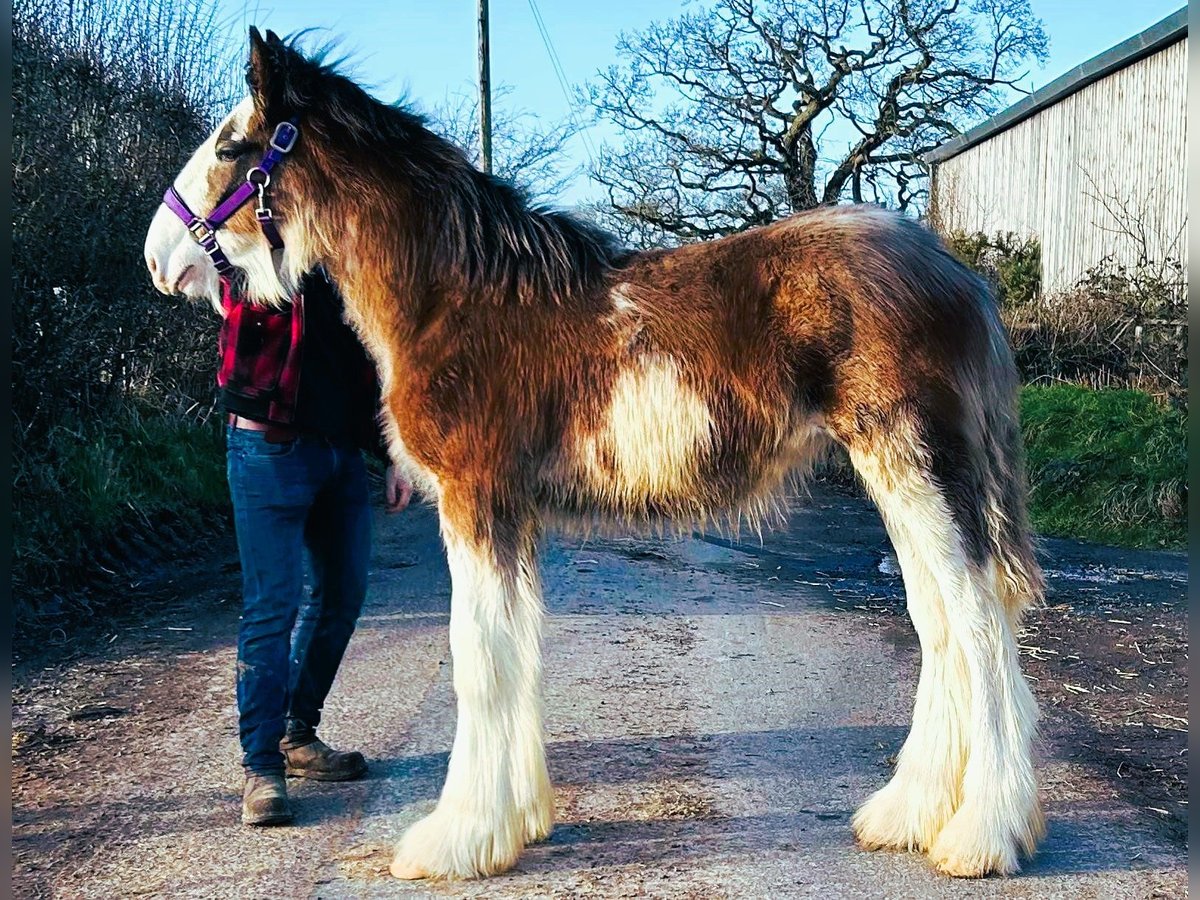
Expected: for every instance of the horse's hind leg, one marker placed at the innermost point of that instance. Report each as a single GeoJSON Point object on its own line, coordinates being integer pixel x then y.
{"type": "Point", "coordinates": [965, 788]}
{"type": "Point", "coordinates": [497, 795]}
{"type": "Point", "coordinates": [910, 810]}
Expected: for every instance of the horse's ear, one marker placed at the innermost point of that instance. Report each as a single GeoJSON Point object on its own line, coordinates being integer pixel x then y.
{"type": "Point", "coordinates": [264, 73]}
{"type": "Point", "coordinates": [258, 69]}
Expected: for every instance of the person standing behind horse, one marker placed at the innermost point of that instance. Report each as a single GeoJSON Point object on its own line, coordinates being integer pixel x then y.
{"type": "Point", "coordinates": [301, 397]}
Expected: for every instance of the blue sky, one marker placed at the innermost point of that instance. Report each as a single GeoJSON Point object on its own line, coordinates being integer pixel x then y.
{"type": "Point", "coordinates": [426, 48]}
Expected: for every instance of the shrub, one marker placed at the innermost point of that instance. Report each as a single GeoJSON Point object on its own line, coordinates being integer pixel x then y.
{"type": "Point", "coordinates": [110, 380]}
{"type": "Point", "coordinates": [1011, 263]}
{"type": "Point", "coordinates": [1119, 326]}
{"type": "Point", "coordinates": [1115, 328]}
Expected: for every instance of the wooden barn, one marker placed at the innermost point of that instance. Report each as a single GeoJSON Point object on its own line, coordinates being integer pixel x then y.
{"type": "Point", "coordinates": [1094, 165]}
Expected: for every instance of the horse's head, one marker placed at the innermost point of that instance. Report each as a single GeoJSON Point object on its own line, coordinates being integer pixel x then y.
{"type": "Point", "coordinates": [367, 190]}
{"type": "Point", "coordinates": [231, 202]}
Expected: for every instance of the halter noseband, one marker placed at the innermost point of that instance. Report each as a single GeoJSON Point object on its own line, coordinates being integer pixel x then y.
{"type": "Point", "coordinates": [204, 228]}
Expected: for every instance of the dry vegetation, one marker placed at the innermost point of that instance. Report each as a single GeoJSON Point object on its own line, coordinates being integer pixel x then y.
{"type": "Point", "coordinates": [1112, 681]}
{"type": "Point", "coordinates": [1116, 328]}
{"type": "Point", "coordinates": [112, 385]}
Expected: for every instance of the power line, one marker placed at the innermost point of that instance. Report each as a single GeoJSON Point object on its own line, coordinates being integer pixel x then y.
{"type": "Point", "coordinates": [560, 75]}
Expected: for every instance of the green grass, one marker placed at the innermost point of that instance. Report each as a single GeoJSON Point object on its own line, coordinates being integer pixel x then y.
{"type": "Point", "coordinates": [91, 482]}
{"type": "Point", "coordinates": [1106, 465]}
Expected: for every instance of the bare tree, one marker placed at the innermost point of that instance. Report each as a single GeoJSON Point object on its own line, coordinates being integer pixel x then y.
{"type": "Point", "coordinates": [110, 97]}
{"type": "Point", "coordinates": [744, 111]}
{"type": "Point", "coordinates": [525, 151]}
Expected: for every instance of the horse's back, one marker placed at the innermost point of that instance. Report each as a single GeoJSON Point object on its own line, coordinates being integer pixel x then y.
{"type": "Point", "coordinates": [725, 363]}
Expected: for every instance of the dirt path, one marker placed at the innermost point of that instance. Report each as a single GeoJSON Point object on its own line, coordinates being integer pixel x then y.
{"type": "Point", "coordinates": [715, 712]}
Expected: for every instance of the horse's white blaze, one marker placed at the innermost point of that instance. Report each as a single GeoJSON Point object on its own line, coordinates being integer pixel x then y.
{"type": "Point", "coordinates": [971, 809]}
{"type": "Point", "coordinates": [657, 430]}
{"type": "Point", "coordinates": [497, 793]}
{"type": "Point", "coordinates": [177, 263]}
{"type": "Point", "coordinates": [180, 266]}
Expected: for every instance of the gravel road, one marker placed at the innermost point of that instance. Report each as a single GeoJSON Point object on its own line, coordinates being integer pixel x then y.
{"type": "Point", "coordinates": [715, 712]}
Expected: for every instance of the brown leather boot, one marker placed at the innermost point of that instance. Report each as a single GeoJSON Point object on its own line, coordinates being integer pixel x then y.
{"type": "Point", "coordinates": [312, 758]}
{"type": "Point", "coordinates": [265, 801]}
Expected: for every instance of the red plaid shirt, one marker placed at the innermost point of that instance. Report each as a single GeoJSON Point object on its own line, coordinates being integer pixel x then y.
{"type": "Point", "coordinates": [262, 352]}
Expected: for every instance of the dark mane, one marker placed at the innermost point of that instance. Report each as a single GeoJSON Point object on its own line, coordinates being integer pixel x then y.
{"type": "Point", "coordinates": [490, 240]}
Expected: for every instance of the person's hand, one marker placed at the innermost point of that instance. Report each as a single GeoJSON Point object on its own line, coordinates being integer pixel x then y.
{"type": "Point", "coordinates": [397, 489]}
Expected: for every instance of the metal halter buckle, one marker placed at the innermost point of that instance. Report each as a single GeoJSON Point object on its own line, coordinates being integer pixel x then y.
{"type": "Point", "coordinates": [284, 138]}
{"type": "Point", "coordinates": [262, 195]}
{"type": "Point", "coordinates": [200, 229]}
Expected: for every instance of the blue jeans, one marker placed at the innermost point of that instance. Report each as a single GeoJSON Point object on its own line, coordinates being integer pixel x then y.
{"type": "Point", "coordinates": [303, 495]}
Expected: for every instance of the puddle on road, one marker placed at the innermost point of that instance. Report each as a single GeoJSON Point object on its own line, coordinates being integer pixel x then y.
{"type": "Point", "coordinates": [1113, 575]}
{"type": "Point", "coordinates": [842, 577]}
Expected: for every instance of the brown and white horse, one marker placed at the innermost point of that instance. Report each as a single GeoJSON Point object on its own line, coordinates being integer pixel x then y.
{"type": "Point", "coordinates": [536, 375]}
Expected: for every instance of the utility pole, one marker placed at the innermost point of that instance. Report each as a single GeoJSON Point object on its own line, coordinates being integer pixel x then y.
{"type": "Point", "coordinates": [485, 90]}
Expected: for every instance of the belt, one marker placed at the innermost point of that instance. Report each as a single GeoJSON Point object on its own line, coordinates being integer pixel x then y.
{"type": "Point", "coordinates": [275, 434]}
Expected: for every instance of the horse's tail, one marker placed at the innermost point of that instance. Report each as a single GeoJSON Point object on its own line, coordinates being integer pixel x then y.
{"type": "Point", "coordinates": [1018, 575]}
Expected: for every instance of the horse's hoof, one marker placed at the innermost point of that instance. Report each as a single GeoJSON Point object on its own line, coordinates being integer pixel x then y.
{"type": "Point", "coordinates": [407, 870]}
{"type": "Point", "coordinates": [970, 847]}
{"type": "Point", "coordinates": [900, 817]}
{"type": "Point", "coordinates": [452, 844]}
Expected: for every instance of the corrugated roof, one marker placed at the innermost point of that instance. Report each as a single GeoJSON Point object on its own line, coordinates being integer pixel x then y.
{"type": "Point", "coordinates": [1171, 29]}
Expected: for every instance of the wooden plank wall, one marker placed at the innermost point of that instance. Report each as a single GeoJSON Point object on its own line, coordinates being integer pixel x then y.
{"type": "Point", "coordinates": [1102, 172]}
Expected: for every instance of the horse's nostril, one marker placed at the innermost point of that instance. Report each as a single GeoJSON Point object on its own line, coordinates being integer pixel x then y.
{"type": "Point", "coordinates": [152, 263]}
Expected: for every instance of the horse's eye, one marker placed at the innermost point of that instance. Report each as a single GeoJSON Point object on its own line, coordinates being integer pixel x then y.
{"type": "Point", "coordinates": [230, 152]}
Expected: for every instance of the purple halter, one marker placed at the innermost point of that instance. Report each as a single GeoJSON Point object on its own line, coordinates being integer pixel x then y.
{"type": "Point", "coordinates": [204, 229]}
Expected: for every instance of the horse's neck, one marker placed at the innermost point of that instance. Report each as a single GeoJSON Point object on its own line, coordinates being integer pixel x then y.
{"type": "Point", "coordinates": [370, 276]}
{"type": "Point", "coordinates": [371, 256]}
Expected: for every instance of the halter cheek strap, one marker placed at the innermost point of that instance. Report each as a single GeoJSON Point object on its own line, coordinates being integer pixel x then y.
{"type": "Point", "coordinates": [204, 228]}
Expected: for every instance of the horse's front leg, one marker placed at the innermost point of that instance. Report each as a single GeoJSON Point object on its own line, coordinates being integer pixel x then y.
{"type": "Point", "coordinates": [497, 795]}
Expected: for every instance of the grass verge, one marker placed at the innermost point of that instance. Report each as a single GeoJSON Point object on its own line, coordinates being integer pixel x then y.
{"type": "Point", "coordinates": [1106, 465]}
{"type": "Point", "coordinates": [92, 487]}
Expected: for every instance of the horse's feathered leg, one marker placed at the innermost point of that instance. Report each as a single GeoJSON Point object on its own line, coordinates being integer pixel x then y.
{"type": "Point", "coordinates": [964, 788]}
{"type": "Point", "coordinates": [909, 811]}
{"type": "Point", "coordinates": [497, 795]}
